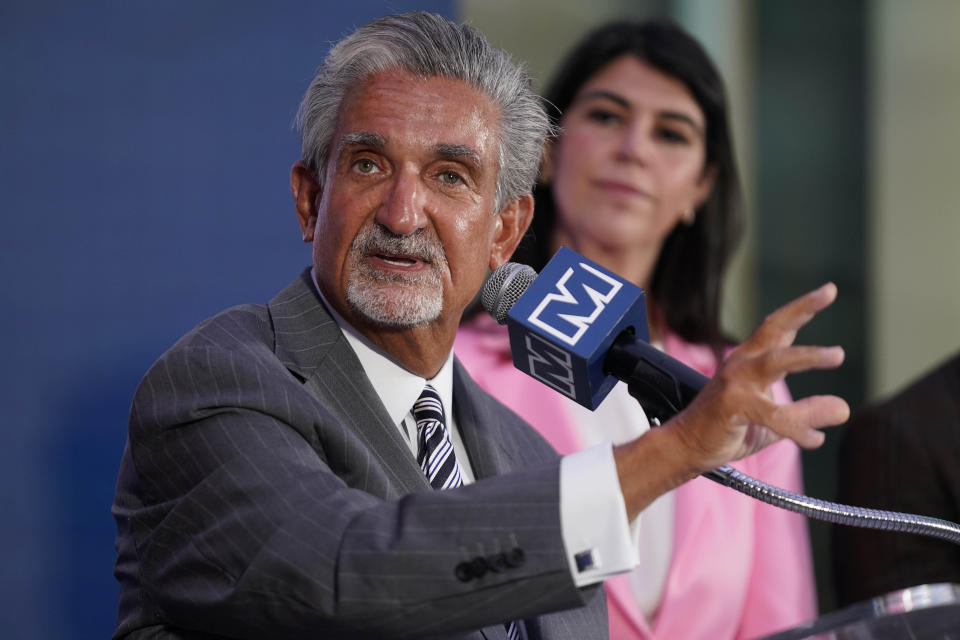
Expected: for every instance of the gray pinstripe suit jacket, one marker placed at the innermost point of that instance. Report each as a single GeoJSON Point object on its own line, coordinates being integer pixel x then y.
{"type": "Point", "coordinates": [265, 493]}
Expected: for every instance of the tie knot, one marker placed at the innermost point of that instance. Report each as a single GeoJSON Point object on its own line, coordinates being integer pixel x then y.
{"type": "Point", "coordinates": [428, 406]}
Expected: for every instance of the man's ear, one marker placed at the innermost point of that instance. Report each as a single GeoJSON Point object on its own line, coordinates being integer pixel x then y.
{"type": "Point", "coordinates": [511, 223]}
{"type": "Point", "coordinates": [546, 163]}
{"type": "Point", "coordinates": [306, 193]}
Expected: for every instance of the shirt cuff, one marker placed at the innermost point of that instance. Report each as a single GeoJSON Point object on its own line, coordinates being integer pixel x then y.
{"type": "Point", "coordinates": [598, 540]}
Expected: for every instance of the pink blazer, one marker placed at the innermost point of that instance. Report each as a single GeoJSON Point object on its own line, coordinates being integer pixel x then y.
{"type": "Point", "coordinates": [740, 568]}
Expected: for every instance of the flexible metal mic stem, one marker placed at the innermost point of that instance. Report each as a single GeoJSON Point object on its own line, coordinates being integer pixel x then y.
{"type": "Point", "coordinates": [832, 511]}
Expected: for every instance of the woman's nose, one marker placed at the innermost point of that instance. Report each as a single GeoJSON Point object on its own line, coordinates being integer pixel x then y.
{"type": "Point", "coordinates": [635, 143]}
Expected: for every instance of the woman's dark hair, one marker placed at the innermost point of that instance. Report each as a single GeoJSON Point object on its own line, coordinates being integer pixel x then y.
{"type": "Point", "coordinates": [687, 279]}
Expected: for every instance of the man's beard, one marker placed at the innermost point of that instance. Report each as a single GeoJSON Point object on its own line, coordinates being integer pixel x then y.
{"type": "Point", "coordinates": [393, 299]}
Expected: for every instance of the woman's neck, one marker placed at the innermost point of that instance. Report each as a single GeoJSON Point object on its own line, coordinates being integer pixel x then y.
{"type": "Point", "coordinates": [635, 264]}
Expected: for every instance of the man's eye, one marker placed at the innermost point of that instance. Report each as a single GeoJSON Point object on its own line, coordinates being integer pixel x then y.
{"type": "Point", "coordinates": [365, 165]}
{"type": "Point", "coordinates": [451, 178]}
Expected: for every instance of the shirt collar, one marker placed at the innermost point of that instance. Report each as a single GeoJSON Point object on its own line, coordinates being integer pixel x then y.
{"type": "Point", "coordinates": [398, 388]}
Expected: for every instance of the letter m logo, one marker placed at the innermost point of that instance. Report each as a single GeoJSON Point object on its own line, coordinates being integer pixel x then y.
{"type": "Point", "coordinates": [582, 295]}
{"type": "Point", "coordinates": [550, 365]}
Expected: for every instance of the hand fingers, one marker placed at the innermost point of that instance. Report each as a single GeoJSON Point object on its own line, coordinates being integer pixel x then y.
{"type": "Point", "coordinates": [772, 365]}
{"type": "Point", "coordinates": [780, 327]}
{"type": "Point", "coordinates": [800, 420]}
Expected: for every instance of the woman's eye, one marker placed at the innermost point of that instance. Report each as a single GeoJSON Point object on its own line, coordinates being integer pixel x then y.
{"type": "Point", "coordinates": [673, 136]}
{"type": "Point", "coordinates": [602, 116]}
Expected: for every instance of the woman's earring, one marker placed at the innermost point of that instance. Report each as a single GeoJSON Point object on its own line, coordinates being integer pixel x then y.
{"type": "Point", "coordinates": [690, 216]}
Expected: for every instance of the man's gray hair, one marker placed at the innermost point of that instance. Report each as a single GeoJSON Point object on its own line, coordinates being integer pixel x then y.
{"type": "Point", "coordinates": [429, 45]}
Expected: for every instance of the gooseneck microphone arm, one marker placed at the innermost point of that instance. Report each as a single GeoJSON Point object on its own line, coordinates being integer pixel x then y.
{"type": "Point", "coordinates": [663, 386]}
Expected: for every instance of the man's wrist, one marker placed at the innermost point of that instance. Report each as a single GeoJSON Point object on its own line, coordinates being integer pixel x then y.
{"type": "Point", "coordinates": [650, 466]}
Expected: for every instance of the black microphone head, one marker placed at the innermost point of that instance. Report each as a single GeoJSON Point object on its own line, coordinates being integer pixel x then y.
{"type": "Point", "coordinates": [504, 287]}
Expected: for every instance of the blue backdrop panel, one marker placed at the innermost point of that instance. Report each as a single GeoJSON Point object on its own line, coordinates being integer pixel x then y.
{"type": "Point", "coordinates": [145, 150]}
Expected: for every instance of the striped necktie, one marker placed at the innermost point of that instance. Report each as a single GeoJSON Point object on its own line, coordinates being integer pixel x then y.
{"type": "Point", "coordinates": [437, 459]}
{"type": "Point", "coordinates": [435, 453]}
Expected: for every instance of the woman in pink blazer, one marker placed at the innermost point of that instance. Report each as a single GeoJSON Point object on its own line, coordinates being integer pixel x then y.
{"type": "Point", "coordinates": [641, 179]}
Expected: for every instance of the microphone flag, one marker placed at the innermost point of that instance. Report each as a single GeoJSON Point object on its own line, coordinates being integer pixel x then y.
{"type": "Point", "coordinates": [566, 321]}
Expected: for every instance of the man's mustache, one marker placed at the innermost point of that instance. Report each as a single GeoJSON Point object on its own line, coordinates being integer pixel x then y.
{"type": "Point", "coordinates": [422, 245]}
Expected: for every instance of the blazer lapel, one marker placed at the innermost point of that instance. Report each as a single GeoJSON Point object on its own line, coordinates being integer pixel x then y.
{"type": "Point", "coordinates": [483, 434]}
{"type": "Point", "coordinates": [312, 347]}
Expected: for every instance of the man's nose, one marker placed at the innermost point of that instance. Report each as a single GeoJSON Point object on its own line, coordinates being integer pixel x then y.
{"type": "Point", "coordinates": [402, 212]}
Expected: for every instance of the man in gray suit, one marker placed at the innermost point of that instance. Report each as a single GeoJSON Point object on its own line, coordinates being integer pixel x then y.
{"type": "Point", "coordinates": [270, 487]}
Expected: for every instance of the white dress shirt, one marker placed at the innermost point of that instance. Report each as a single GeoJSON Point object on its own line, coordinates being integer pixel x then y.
{"type": "Point", "coordinates": [619, 419]}
{"type": "Point", "coordinates": [596, 535]}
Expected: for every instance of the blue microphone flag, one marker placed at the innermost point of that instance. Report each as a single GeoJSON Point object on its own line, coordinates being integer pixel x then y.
{"type": "Point", "coordinates": [564, 324]}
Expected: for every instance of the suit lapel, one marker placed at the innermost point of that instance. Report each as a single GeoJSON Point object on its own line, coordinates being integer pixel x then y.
{"type": "Point", "coordinates": [312, 347]}
{"type": "Point", "coordinates": [483, 434]}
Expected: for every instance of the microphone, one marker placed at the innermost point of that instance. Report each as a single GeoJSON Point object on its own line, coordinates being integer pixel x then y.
{"type": "Point", "coordinates": [578, 328]}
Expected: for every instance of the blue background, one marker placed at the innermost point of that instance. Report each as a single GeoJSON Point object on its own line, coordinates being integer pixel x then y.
{"type": "Point", "coordinates": [145, 150]}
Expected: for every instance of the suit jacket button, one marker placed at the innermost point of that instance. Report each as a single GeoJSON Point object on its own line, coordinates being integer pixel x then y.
{"type": "Point", "coordinates": [515, 557]}
{"type": "Point", "coordinates": [478, 566]}
{"type": "Point", "coordinates": [464, 572]}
